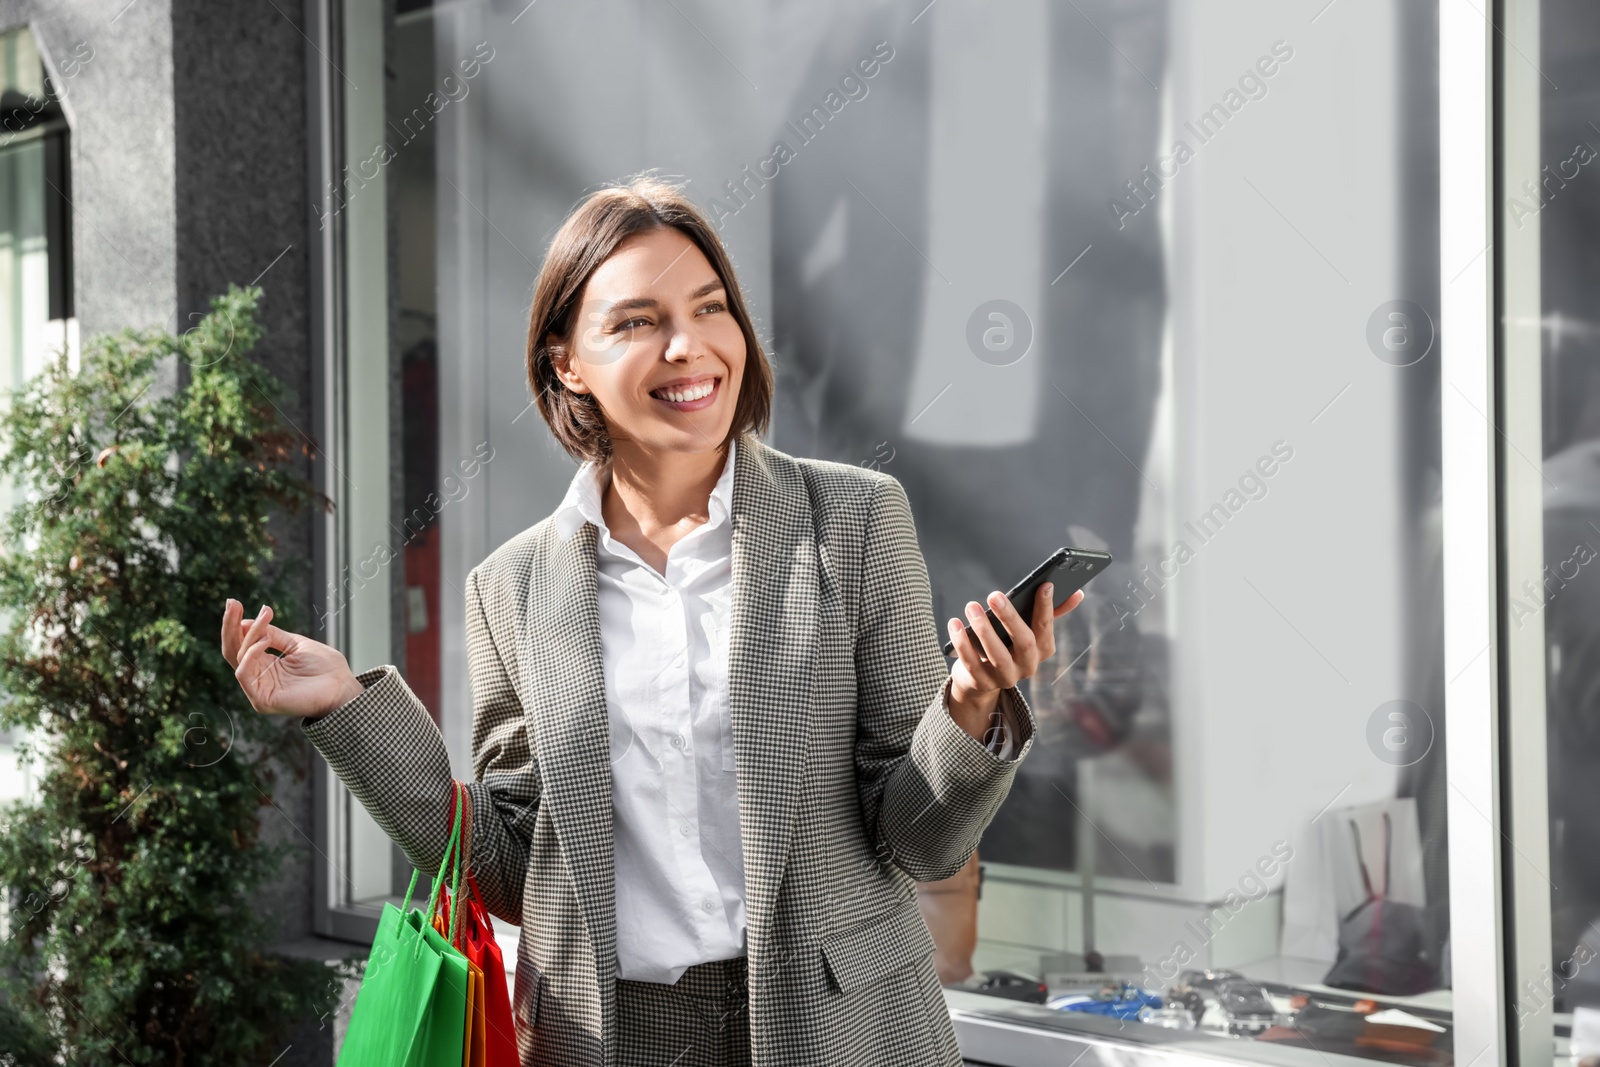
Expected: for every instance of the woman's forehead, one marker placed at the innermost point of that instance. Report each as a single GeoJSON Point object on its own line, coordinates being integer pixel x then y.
{"type": "Point", "coordinates": [662, 259]}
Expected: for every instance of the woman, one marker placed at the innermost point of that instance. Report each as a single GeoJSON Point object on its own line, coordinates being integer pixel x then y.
{"type": "Point", "coordinates": [713, 735]}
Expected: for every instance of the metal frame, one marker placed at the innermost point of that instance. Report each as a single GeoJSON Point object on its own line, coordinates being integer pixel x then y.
{"type": "Point", "coordinates": [1518, 288]}
{"type": "Point", "coordinates": [351, 341]}
{"type": "Point", "coordinates": [322, 139]}
{"type": "Point", "coordinates": [1495, 773]}
{"type": "Point", "coordinates": [326, 228]}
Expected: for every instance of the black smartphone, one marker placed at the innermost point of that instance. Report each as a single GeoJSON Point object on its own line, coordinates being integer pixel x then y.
{"type": "Point", "coordinates": [1069, 568]}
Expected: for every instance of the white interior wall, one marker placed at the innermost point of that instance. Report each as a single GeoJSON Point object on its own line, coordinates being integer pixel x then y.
{"type": "Point", "coordinates": [1283, 237]}
{"type": "Point", "coordinates": [1285, 240]}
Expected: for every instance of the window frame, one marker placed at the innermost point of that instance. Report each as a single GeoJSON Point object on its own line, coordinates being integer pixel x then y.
{"type": "Point", "coordinates": [331, 312]}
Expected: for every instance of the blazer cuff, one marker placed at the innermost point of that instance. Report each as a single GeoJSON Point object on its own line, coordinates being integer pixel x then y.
{"type": "Point", "coordinates": [1009, 728]}
{"type": "Point", "coordinates": [387, 749]}
{"type": "Point", "coordinates": [1009, 737]}
{"type": "Point", "coordinates": [384, 693]}
{"type": "Point", "coordinates": [367, 680]}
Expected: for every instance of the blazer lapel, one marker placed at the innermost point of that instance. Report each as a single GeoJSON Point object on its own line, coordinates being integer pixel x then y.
{"type": "Point", "coordinates": [565, 686]}
{"type": "Point", "coordinates": [772, 654]}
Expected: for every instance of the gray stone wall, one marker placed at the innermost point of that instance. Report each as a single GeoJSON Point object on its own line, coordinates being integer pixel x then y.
{"type": "Point", "coordinates": [239, 106]}
{"type": "Point", "coordinates": [120, 104]}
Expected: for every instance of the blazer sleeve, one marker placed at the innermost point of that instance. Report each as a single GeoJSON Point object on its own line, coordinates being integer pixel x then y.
{"type": "Point", "coordinates": [387, 749]}
{"type": "Point", "coordinates": [928, 788]}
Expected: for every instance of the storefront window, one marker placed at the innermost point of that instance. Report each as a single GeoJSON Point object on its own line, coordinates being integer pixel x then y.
{"type": "Point", "coordinates": [36, 316]}
{"type": "Point", "coordinates": [1145, 277]}
{"type": "Point", "coordinates": [1551, 222]}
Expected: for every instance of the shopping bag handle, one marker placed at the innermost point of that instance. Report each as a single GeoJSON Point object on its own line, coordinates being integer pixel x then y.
{"type": "Point", "coordinates": [451, 851]}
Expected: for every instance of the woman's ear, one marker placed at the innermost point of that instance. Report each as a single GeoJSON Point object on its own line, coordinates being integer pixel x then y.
{"type": "Point", "coordinates": [560, 360]}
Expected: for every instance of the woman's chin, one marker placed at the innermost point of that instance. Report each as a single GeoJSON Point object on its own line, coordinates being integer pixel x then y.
{"type": "Point", "coordinates": [679, 435]}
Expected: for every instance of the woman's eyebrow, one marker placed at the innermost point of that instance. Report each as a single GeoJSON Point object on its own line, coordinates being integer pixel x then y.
{"type": "Point", "coordinates": [632, 305]}
{"type": "Point", "coordinates": [638, 302]}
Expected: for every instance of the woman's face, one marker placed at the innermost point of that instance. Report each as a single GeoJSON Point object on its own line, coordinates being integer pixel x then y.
{"type": "Point", "coordinates": [655, 343]}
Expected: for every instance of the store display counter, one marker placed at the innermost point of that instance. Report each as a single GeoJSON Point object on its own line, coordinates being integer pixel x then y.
{"type": "Point", "coordinates": [1001, 1033]}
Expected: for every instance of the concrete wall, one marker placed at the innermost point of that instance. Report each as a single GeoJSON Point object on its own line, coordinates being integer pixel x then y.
{"type": "Point", "coordinates": [120, 104]}
{"type": "Point", "coordinates": [239, 121]}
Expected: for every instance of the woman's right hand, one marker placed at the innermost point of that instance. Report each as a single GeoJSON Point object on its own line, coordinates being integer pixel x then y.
{"type": "Point", "coordinates": [309, 678]}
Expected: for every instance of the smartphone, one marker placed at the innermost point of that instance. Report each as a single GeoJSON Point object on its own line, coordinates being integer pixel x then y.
{"type": "Point", "coordinates": [1069, 568]}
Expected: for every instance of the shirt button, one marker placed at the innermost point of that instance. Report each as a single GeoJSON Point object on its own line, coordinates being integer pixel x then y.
{"type": "Point", "coordinates": [686, 829]}
{"type": "Point", "coordinates": [677, 741]}
{"type": "Point", "coordinates": [707, 906]}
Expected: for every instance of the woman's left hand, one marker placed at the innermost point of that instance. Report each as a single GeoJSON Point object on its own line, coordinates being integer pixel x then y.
{"type": "Point", "coordinates": [986, 666]}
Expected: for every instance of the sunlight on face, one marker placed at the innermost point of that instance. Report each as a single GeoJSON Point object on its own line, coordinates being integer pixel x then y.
{"type": "Point", "coordinates": [656, 344]}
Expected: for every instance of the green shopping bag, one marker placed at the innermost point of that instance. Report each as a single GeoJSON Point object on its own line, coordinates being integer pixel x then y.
{"type": "Point", "coordinates": [411, 1010]}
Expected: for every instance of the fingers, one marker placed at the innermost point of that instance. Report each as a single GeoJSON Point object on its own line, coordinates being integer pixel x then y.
{"type": "Point", "coordinates": [1000, 657]}
{"type": "Point", "coordinates": [230, 631]}
{"type": "Point", "coordinates": [236, 628]}
{"type": "Point", "coordinates": [967, 653]}
{"type": "Point", "coordinates": [1044, 626]}
{"type": "Point", "coordinates": [274, 637]}
{"type": "Point", "coordinates": [256, 632]}
{"type": "Point", "coordinates": [1024, 646]}
{"type": "Point", "coordinates": [1071, 602]}
{"type": "Point", "coordinates": [252, 664]}
{"type": "Point", "coordinates": [980, 648]}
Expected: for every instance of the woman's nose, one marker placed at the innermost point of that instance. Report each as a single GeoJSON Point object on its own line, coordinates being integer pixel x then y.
{"type": "Point", "coordinates": [686, 343]}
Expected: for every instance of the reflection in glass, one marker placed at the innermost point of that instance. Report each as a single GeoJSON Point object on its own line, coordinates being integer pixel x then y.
{"type": "Point", "coordinates": [987, 267]}
{"type": "Point", "coordinates": [1565, 206]}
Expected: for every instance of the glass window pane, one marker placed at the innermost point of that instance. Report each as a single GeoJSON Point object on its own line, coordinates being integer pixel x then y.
{"type": "Point", "coordinates": [1139, 276]}
{"type": "Point", "coordinates": [1557, 209]}
{"type": "Point", "coordinates": [32, 248]}
{"type": "Point", "coordinates": [370, 604]}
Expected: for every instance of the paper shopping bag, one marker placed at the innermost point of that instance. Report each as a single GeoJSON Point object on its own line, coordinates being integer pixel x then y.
{"type": "Point", "coordinates": [478, 1039]}
{"type": "Point", "coordinates": [481, 948]}
{"type": "Point", "coordinates": [411, 1009]}
{"type": "Point", "coordinates": [395, 996]}
{"type": "Point", "coordinates": [473, 933]}
{"type": "Point", "coordinates": [473, 1039]}
{"type": "Point", "coordinates": [443, 1033]}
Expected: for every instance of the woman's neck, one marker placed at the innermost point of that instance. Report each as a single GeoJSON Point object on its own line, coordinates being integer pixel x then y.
{"type": "Point", "coordinates": [652, 500]}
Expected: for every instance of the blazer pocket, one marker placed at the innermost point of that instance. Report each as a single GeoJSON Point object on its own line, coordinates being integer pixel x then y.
{"type": "Point", "coordinates": [886, 943]}
{"type": "Point", "coordinates": [525, 999]}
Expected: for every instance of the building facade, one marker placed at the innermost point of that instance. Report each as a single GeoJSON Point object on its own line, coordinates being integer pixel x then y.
{"type": "Point", "coordinates": [1146, 276]}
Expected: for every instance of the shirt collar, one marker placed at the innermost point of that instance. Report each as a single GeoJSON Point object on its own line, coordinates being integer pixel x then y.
{"type": "Point", "coordinates": [582, 502]}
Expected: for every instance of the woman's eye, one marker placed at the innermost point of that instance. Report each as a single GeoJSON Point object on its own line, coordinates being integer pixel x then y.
{"type": "Point", "coordinates": [631, 324]}
{"type": "Point", "coordinates": [715, 305]}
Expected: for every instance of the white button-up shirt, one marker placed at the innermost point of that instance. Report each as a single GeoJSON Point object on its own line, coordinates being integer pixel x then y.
{"type": "Point", "coordinates": [678, 855]}
{"type": "Point", "coordinates": [679, 858]}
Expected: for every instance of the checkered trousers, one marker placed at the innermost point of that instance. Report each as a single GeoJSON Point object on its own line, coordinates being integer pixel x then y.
{"type": "Point", "coordinates": [853, 779]}
{"type": "Point", "coordinates": [701, 1020]}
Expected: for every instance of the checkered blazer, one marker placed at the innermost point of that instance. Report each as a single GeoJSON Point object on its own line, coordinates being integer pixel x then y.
{"type": "Point", "coordinates": [853, 779]}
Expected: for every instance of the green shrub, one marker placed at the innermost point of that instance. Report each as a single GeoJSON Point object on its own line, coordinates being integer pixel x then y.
{"type": "Point", "coordinates": [130, 933]}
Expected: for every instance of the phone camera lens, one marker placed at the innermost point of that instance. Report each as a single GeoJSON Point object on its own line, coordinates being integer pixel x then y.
{"type": "Point", "coordinates": [1075, 564]}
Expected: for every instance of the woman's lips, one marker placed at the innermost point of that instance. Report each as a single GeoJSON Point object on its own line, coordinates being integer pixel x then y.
{"type": "Point", "coordinates": [693, 405]}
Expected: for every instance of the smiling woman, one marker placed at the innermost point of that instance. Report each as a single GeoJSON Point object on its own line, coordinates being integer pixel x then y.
{"type": "Point", "coordinates": [714, 739]}
{"type": "Point", "coordinates": [632, 266]}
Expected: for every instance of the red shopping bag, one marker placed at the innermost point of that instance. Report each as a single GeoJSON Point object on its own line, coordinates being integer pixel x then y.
{"type": "Point", "coordinates": [472, 931]}
{"type": "Point", "coordinates": [480, 947]}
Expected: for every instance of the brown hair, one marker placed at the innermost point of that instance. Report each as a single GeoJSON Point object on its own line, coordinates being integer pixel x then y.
{"type": "Point", "coordinates": [600, 223]}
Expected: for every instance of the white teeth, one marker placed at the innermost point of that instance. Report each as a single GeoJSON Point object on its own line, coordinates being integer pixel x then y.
{"type": "Point", "coordinates": [684, 396]}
